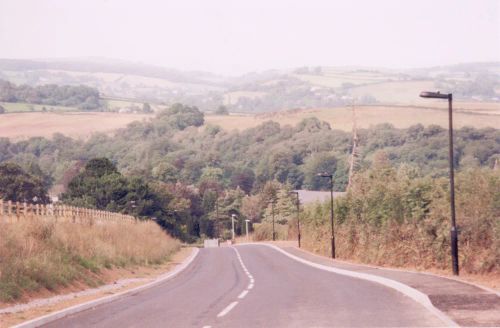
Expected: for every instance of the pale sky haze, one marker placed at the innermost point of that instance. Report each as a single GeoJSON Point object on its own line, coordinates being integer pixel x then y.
{"type": "Point", "coordinates": [234, 37]}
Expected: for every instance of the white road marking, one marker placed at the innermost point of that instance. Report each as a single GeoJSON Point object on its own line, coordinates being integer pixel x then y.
{"type": "Point", "coordinates": [243, 294]}
{"type": "Point", "coordinates": [227, 309]}
{"type": "Point", "coordinates": [413, 293]}
{"type": "Point", "coordinates": [206, 327]}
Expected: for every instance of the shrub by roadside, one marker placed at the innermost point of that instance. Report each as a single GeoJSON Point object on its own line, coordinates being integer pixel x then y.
{"type": "Point", "coordinates": [398, 218]}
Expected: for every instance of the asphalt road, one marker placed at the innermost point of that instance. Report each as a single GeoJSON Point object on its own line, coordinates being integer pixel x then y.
{"type": "Point", "coordinates": [256, 286]}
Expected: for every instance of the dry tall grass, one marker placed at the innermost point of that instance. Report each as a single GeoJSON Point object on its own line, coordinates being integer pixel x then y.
{"type": "Point", "coordinates": [264, 231]}
{"type": "Point", "coordinates": [37, 254]}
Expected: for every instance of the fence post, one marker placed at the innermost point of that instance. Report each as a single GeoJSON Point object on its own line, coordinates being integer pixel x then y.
{"type": "Point", "coordinates": [25, 210]}
{"type": "Point", "coordinates": [17, 210]}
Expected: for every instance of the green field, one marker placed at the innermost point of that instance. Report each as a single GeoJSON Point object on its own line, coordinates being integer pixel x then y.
{"type": "Point", "coordinates": [115, 105]}
{"type": "Point", "coordinates": [26, 108]}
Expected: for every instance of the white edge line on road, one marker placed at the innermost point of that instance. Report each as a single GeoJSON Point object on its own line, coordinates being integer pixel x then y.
{"type": "Point", "coordinates": [243, 294]}
{"type": "Point", "coordinates": [414, 294]}
{"type": "Point", "coordinates": [103, 300]}
{"type": "Point", "coordinates": [227, 309]}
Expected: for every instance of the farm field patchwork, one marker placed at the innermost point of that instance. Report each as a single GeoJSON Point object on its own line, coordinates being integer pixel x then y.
{"type": "Point", "coordinates": [25, 107]}
{"type": "Point", "coordinates": [83, 124]}
{"type": "Point", "coordinates": [466, 114]}
{"type": "Point", "coordinates": [77, 124]}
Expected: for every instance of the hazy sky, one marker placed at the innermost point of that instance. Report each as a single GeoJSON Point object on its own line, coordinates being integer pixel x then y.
{"type": "Point", "coordinates": [230, 36]}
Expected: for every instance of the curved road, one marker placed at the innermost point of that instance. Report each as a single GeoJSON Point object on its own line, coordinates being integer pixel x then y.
{"type": "Point", "coordinates": [256, 286]}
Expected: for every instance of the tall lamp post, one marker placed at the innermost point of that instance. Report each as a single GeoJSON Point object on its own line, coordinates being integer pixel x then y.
{"type": "Point", "coordinates": [330, 176]}
{"type": "Point", "coordinates": [272, 213]}
{"type": "Point", "coordinates": [453, 231]}
{"type": "Point", "coordinates": [298, 215]}
{"type": "Point", "coordinates": [246, 226]}
{"type": "Point", "coordinates": [233, 216]}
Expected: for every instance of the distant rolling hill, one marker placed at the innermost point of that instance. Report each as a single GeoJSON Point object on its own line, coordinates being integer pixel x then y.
{"type": "Point", "coordinates": [261, 92]}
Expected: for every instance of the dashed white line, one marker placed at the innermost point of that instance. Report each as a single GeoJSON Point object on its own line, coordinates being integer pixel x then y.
{"type": "Point", "coordinates": [243, 294]}
{"type": "Point", "coordinates": [227, 309]}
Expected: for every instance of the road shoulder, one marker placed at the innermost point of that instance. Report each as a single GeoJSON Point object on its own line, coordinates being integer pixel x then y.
{"type": "Point", "coordinates": [44, 310]}
{"type": "Point", "coordinates": [465, 303]}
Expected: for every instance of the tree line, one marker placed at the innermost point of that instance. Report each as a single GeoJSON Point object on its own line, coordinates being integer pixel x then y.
{"type": "Point", "coordinates": [81, 97]}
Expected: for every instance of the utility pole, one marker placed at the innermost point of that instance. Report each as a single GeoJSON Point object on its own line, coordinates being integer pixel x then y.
{"type": "Point", "coordinates": [330, 176]}
{"type": "Point", "coordinates": [246, 226]}
{"type": "Point", "coordinates": [354, 152]}
{"type": "Point", "coordinates": [272, 211]}
{"type": "Point", "coordinates": [298, 215]}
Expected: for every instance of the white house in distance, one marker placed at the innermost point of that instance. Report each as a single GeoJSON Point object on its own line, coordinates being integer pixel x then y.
{"type": "Point", "coordinates": [309, 196]}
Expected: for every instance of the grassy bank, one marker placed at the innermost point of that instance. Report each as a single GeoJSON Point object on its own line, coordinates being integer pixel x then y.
{"type": "Point", "coordinates": [42, 254]}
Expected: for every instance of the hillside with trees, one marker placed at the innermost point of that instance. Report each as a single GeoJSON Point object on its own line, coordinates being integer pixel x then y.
{"type": "Point", "coordinates": [192, 176]}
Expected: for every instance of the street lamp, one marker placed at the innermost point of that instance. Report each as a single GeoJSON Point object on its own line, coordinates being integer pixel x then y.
{"type": "Point", "coordinates": [272, 211]}
{"type": "Point", "coordinates": [298, 214]}
{"type": "Point", "coordinates": [453, 231]}
{"type": "Point", "coordinates": [246, 226]}
{"type": "Point", "coordinates": [233, 216]}
{"type": "Point", "coordinates": [330, 176]}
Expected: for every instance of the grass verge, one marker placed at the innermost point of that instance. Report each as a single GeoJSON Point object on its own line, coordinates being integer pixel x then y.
{"type": "Point", "coordinates": [37, 254]}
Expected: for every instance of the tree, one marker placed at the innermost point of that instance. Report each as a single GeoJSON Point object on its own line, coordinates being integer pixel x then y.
{"type": "Point", "coordinates": [243, 178]}
{"type": "Point", "coordinates": [179, 116]}
{"type": "Point", "coordinates": [222, 110]}
{"type": "Point", "coordinates": [18, 186]}
{"type": "Point", "coordinates": [146, 108]}
{"type": "Point", "coordinates": [322, 162]}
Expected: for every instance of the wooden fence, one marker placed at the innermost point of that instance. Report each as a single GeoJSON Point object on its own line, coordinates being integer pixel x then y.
{"type": "Point", "coordinates": [15, 211]}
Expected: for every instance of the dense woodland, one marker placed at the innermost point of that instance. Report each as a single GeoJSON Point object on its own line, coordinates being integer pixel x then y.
{"type": "Point", "coordinates": [185, 173]}
{"type": "Point", "coordinates": [82, 97]}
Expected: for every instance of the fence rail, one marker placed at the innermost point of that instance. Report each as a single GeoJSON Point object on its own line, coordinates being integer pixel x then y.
{"type": "Point", "coordinates": [15, 211]}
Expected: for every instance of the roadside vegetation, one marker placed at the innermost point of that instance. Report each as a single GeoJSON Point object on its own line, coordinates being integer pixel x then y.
{"type": "Point", "coordinates": [42, 254]}
{"type": "Point", "coordinates": [399, 218]}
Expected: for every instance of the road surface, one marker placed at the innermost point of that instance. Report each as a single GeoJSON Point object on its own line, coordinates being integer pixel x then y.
{"type": "Point", "coordinates": [256, 286]}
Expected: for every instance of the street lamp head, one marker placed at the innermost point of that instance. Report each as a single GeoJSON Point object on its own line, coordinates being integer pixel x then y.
{"type": "Point", "coordinates": [247, 220]}
{"type": "Point", "coordinates": [437, 95]}
{"type": "Point", "coordinates": [233, 215]}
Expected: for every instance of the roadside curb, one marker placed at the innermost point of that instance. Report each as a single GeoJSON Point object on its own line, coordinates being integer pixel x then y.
{"type": "Point", "coordinates": [37, 322]}
{"type": "Point", "coordinates": [413, 293]}
{"type": "Point", "coordinates": [486, 289]}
